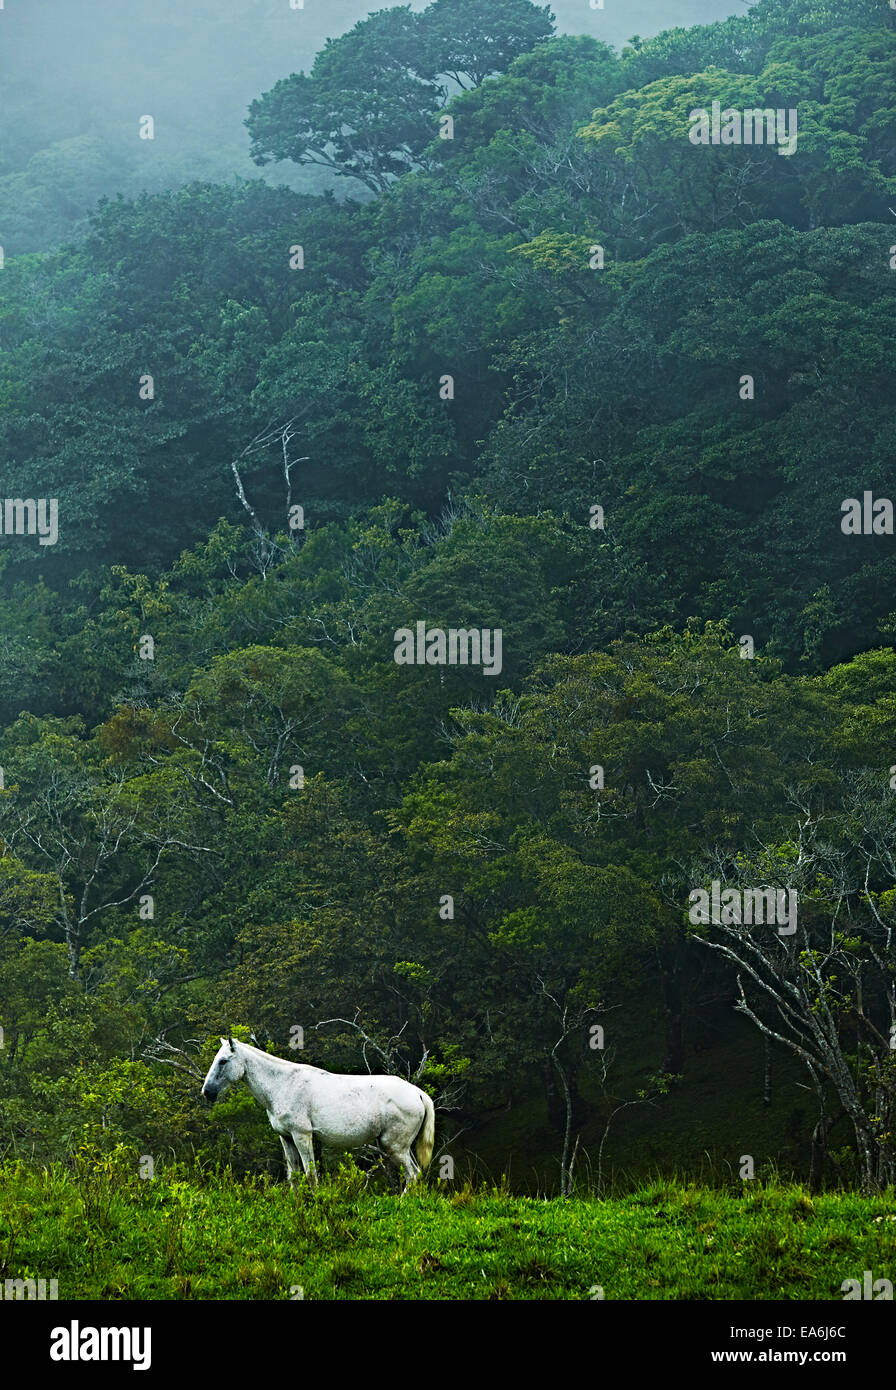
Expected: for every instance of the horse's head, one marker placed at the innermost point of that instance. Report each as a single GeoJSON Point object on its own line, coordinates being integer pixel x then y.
{"type": "Point", "coordinates": [225, 1070]}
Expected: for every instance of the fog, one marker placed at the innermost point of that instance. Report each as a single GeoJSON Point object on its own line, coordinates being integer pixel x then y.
{"type": "Point", "coordinates": [76, 76]}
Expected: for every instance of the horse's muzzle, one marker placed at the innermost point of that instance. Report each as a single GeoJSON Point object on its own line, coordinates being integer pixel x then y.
{"type": "Point", "coordinates": [210, 1094]}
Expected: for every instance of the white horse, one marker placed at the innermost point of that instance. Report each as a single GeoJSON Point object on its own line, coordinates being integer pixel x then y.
{"type": "Point", "coordinates": [344, 1112]}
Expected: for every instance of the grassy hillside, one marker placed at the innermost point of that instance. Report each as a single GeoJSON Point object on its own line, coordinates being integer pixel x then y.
{"type": "Point", "coordinates": [105, 1234]}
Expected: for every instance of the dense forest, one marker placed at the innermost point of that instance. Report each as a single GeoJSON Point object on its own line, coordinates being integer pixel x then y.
{"type": "Point", "coordinates": [527, 361]}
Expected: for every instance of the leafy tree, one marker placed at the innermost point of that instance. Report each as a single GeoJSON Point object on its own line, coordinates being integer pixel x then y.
{"type": "Point", "coordinates": [367, 108]}
{"type": "Point", "coordinates": [827, 990]}
{"type": "Point", "coordinates": [469, 42]}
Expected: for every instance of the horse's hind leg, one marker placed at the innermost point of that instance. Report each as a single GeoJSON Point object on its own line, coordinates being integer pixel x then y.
{"type": "Point", "coordinates": [306, 1154]}
{"type": "Point", "coordinates": [411, 1169]}
{"type": "Point", "coordinates": [403, 1161]}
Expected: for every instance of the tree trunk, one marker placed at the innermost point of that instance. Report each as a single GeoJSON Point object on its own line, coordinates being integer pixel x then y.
{"type": "Point", "coordinates": [819, 1152]}
{"type": "Point", "coordinates": [565, 1170]}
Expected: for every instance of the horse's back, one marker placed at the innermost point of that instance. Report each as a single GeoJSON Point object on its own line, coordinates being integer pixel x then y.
{"type": "Point", "coordinates": [355, 1110]}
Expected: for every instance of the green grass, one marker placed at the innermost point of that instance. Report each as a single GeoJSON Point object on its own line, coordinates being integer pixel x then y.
{"type": "Point", "coordinates": [105, 1234]}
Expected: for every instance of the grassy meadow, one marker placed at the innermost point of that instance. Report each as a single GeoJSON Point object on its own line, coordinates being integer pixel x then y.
{"type": "Point", "coordinates": [104, 1233]}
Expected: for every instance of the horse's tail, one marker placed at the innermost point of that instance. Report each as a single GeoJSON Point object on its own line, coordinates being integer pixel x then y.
{"type": "Point", "coordinates": [426, 1134]}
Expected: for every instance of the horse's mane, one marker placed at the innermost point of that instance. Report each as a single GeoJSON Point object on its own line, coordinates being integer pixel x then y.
{"type": "Point", "coordinates": [272, 1057]}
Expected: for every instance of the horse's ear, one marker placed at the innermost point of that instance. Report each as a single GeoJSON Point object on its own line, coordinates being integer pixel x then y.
{"type": "Point", "coordinates": [230, 1040]}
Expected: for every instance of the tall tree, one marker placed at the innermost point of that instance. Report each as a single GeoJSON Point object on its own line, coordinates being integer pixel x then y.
{"type": "Point", "coordinates": [367, 108]}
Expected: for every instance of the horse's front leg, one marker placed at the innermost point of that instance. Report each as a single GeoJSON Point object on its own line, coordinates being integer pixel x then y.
{"type": "Point", "coordinates": [306, 1153]}
{"type": "Point", "coordinates": [291, 1154]}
